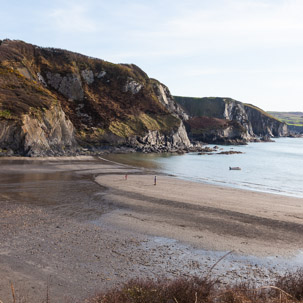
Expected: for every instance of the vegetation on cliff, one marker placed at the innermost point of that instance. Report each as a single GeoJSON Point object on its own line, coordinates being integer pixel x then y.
{"type": "Point", "coordinates": [243, 122]}
{"type": "Point", "coordinates": [106, 103]}
{"type": "Point", "coordinates": [52, 101]}
{"type": "Point", "coordinates": [291, 118]}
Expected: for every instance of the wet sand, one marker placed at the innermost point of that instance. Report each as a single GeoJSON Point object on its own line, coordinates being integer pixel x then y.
{"type": "Point", "coordinates": [78, 226]}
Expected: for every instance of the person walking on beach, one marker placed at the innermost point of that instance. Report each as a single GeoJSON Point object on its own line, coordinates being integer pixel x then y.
{"type": "Point", "coordinates": [125, 176]}
{"type": "Point", "coordinates": [155, 180]}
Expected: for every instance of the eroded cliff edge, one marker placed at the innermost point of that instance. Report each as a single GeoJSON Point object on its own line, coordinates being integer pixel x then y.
{"type": "Point", "coordinates": [55, 102]}
{"type": "Point", "coordinates": [227, 121]}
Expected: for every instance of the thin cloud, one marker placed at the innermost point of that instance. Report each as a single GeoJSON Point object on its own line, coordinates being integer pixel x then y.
{"type": "Point", "coordinates": [73, 18]}
{"type": "Point", "coordinates": [232, 24]}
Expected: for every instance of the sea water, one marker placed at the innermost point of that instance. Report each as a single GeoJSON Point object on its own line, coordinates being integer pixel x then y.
{"type": "Point", "coordinates": [273, 167]}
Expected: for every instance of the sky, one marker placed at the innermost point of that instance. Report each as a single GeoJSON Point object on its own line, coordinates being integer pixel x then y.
{"type": "Point", "coordinates": [248, 50]}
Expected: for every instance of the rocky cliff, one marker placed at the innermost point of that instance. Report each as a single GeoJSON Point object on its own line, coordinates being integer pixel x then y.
{"type": "Point", "coordinates": [225, 120]}
{"type": "Point", "coordinates": [56, 102]}
{"type": "Point", "coordinates": [264, 124]}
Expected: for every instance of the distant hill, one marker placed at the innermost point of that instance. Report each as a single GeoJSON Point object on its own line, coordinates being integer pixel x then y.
{"type": "Point", "coordinates": [292, 118]}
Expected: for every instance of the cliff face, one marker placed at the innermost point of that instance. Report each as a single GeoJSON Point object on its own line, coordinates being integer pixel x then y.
{"type": "Point", "coordinates": [264, 124]}
{"type": "Point", "coordinates": [293, 120]}
{"type": "Point", "coordinates": [54, 101]}
{"type": "Point", "coordinates": [218, 131]}
{"type": "Point", "coordinates": [249, 122]}
{"type": "Point", "coordinates": [50, 133]}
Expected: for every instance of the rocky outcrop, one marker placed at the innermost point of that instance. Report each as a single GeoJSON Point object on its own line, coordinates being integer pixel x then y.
{"type": "Point", "coordinates": [294, 129]}
{"type": "Point", "coordinates": [88, 76]}
{"type": "Point", "coordinates": [69, 86]}
{"type": "Point", "coordinates": [249, 122]}
{"type": "Point", "coordinates": [132, 86]}
{"type": "Point", "coordinates": [11, 137]}
{"type": "Point", "coordinates": [236, 111]}
{"type": "Point", "coordinates": [166, 99]}
{"type": "Point", "coordinates": [55, 102]}
{"type": "Point", "coordinates": [216, 131]}
{"type": "Point", "coordinates": [263, 124]}
{"type": "Point", "coordinates": [254, 120]}
{"type": "Point", "coordinates": [154, 141]}
{"type": "Point", "coordinates": [47, 134]}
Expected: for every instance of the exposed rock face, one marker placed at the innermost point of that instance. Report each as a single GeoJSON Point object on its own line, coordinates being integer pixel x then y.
{"type": "Point", "coordinates": [69, 86]}
{"type": "Point", "coordinates": [154, 141]}
{"type": "Point", "coordinates": [88, 76]}
{"type": "Point", "coordinates": [235, 110]}
{"type": "Point", "coordinates": [264, 125]}
{"type": "Point", "coordinates": [101, 74]}
{"type": "Point", "coordinates": [41, 79]}
{"type": "Point", "coordinates": [179, 138]}
{"type": "Point", "coordinates": [250, 122]}
{"type": "Point", "coordinates": [55, 102]}
{"type": "Point", "coordinates": [49, 134]}
{"type": "Point", "coordinates": [132, 86]}
{"type": "Point", "coordinates": [218, 131]}
{"type": "Point", "coordinates": [164, 96]}
{"type": "Point", "coordinates": [11, 137]}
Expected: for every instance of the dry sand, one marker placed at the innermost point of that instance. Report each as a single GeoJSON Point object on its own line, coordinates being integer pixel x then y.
{"type": "Point", "coordinates": [210, 217]}
{"type": "Point", "coordinates": [79, 226]}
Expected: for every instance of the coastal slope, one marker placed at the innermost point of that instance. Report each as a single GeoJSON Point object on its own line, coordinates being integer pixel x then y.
{"type": "Point", "coordinates": [55, 102]}
{"type": "Point", "coordinates": [225, 120]}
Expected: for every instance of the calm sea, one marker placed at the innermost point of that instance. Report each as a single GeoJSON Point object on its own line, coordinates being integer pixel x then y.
{"type": "Point", "coordinates": [268, 167]}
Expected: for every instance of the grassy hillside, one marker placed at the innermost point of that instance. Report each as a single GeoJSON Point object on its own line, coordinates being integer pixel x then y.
{"type": "Point", "coordinates": [291, 118]}
{"type": "Point", "coordinates": [267, 114]}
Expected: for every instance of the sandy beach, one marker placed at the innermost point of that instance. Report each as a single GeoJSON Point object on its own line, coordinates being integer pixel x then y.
{"type": "Point", "coordinates": [78, 226]}
{"type": "Point", "coordinates": [211, 217]}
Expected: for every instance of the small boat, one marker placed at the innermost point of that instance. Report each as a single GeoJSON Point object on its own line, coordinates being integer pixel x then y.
{"type": "Point", "coordinates": [235, 168]}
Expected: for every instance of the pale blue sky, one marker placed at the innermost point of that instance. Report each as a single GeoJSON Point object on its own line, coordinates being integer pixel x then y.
{"type": "Point", "coordinates": [249, 50]}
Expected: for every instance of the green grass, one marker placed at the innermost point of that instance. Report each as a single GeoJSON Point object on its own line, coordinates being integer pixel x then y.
{"type": "Point", "coordinates": [141, 124]}
{"type": "Point", "coordinates": [5, 114]}
{"type": "Point", "coordinates": [267, 114]}
{"type": "Point", "coordinates": [291, 118]}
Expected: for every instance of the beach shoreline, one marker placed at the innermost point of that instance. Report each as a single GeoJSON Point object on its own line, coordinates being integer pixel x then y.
{"type": "Point", "coordinates": [79, 226]}
{"type": "Point", "coordinates": [207, 216]}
